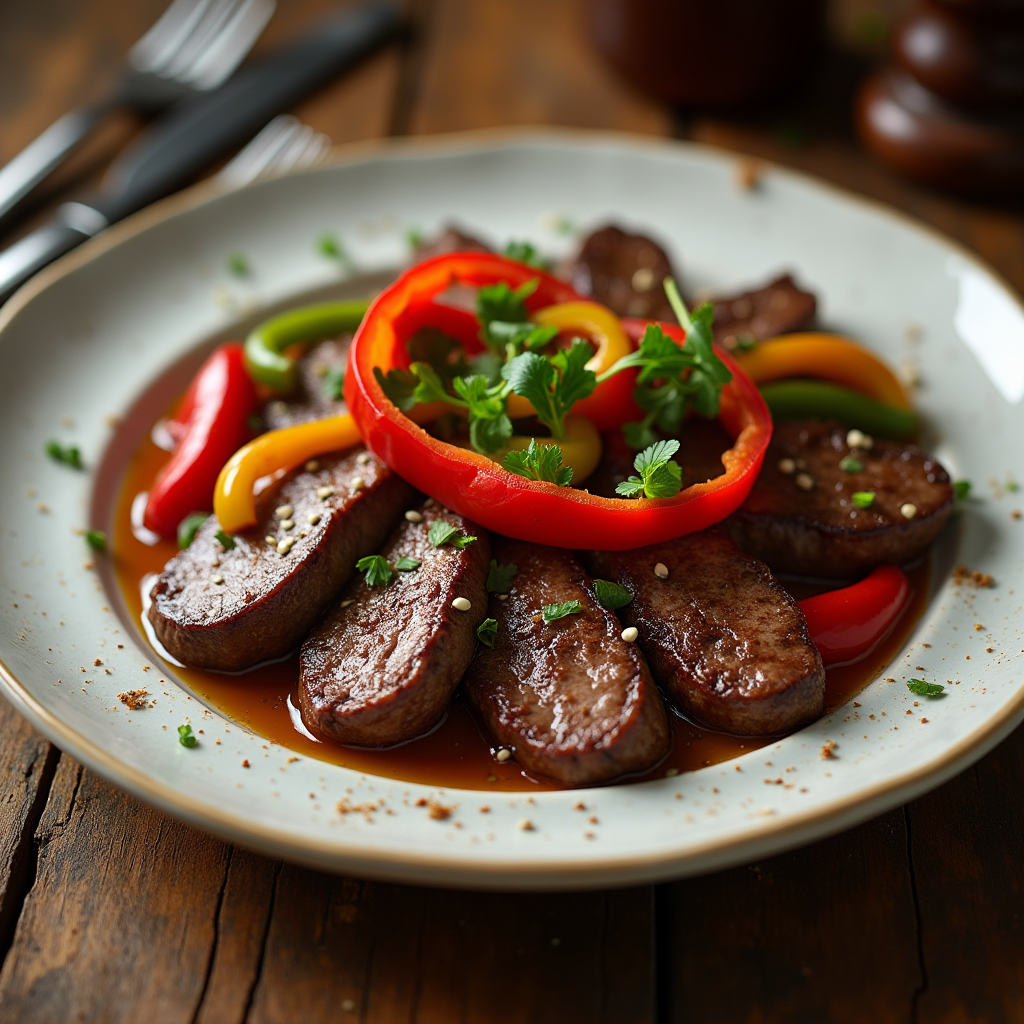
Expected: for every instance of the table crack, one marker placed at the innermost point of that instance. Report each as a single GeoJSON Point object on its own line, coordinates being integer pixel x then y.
{"type": "Point", "coordinates": [216, 937]}
{"type": "Point", "coordinates": [278, 868]}
{"type": "Point", "coordinates": [922, 986]}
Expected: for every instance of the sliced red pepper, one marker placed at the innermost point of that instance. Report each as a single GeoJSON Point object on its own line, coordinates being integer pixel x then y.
{"type": "Point", "coordinates": [846, 624]}
{"type": "Point", "coordinates": [218, 404]}
{"type": "Point", "coordinates": [478, 488]}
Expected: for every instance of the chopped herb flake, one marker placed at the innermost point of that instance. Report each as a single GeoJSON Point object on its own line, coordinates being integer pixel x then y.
{"type": "Point", "coordinates": [329, 246]}
{"type": "Point", "coordinates": [500, 577]}
{"type": "Point", "coordinates": [551, 612]}
{"type": "Point", "coordinates": [185, 737]}
{"type": "Point", "coordinates": [442, 533]}
{"type": "Point", "coordinates": [863, 499]}
{"type": "Point", "coordinates": [487, 632]}
{"type": "Point", "coordinates": [226, 542]}
{"type": "Point", "coordinates": [69, 456]}
{"type": "Point", "coordinates": [851, 465]}
{"type": "Point", "coordinates": [407, 564]}
{"type": "Point", "coordinates": [539, 462]}
{"type": "Point", "coordinates": [524, 252]}
{"type": "Point", "coordinates": [189, 527]}
{"type": "Point", "coordinates": [376, 570]}
{"type": "Point", "coordinates": [238, 265]}
{"type": "Point", "coordinates": [97, 540]}
{"type": "Point", "coordinates": [611, 595]}
{"type": "Point", "coordinates": [923, 689]}
{"type": "Point", "coordinates": [414, 238]}
{"type": "Point", "coordinates": [962, 489]}
{"type": "Point", "coordinates": [334, 383]}
{"type": "Point", "coordinates": [1012, 486]}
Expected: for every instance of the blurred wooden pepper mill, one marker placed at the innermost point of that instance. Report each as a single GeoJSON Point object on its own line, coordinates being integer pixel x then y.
{"type": "Point", "coordinates": [949, 107]}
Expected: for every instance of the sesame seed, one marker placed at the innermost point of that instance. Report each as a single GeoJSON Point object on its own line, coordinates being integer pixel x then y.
{"type": "Point", "coordinates": [412, 516]}
{"type": "Point", "coordinates": [287, 524]}
{"type": "Point", "coordinates": [643, 279]}
{"type": "Point", "coordinates": [671, 772]}
{"type": "Point", "coordinates": [524, 825]}
{"type": "Point", "coordinates": [218, 579]}
{"type": "Point", "coordinates": [805, 481]}
{"type": "Point", "coordinates": [303, 533]}
{"type": "Point", "coordinates": [462, 604]}
{"type": "Point", "coordinates": [908, 510]}
{"type": "Point", "coordinates": [630, 633]}
{"type": "Point", "coordinates": [503, 754]}
{"type": "Point", "coordinates": [324, 492]}
{"type": "Point", "coordinates": [347, 602]}
{"type": "Point", "coordinates": [285, 545]}
{"type": "Point", "coordinates": [787, 466]}
{"type": "Point", "coordinates": [358, 483]}
{"type": "Point", "coordinates": [661, 571]}
{"type": "Point", "coordinates": [503, 597]}
{"type": "Point", "coordinates": [283, 512]}
{"type": "Point", "coordinates": [363, 458]}
{"type": "Point", "coordinates": [313, 518]}
{"type": "Point", "coordinates": [858, 439]}
{"type": "Point", "coordinates": [271, 540]}
{"type": "Point", "coordinates": [312, 466]}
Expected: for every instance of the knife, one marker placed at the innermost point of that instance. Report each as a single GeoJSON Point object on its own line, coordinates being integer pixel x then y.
{"type": "Point", "coordinates": [199, 130]}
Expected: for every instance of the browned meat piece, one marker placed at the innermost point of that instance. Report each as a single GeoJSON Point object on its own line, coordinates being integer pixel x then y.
{"type": "Point", "coordinates": [312, 398]}
{"type": "Point", "coordinates": [800, 516]}
{"type": "Point", "coordinates": [570, 698]}
{"type": "Point", "coordinates": [723, 639]}
{"type": "Point", "coordinates": [701, 444]}
{"type": "Point", "coordinates": [382, 664]}
{"type": "Point", "coordinates": [777, 308]}
{"type": "Point", "coordinates": [451, 239]}
{"type": "Point", "coordinates": [229, 610]}
{"type": "Point", "coordinates": [624, 272]}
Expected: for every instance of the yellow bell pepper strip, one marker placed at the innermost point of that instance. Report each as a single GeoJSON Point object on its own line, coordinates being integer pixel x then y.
{"type": "Point", "coordinates": [814, 399]}
{"type": "Point", "coordinates": [827, 357]}
{"type": "Point", "coordinates": [581, 448]}
{"type": "Point", "coordinates": [266, 343]}
{"type": "Point", "coordinates": [234, 504]}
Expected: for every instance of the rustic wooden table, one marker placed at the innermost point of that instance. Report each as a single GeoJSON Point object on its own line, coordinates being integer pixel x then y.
{"type": "Point", "coordinates": [111, 911]}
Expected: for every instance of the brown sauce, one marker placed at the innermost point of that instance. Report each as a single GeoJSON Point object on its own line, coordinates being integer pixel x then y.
{"type": "Point", "coordinates": [458, 753]}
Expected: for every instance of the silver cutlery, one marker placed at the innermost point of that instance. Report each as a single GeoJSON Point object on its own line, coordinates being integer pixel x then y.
{"type": "Point", "coordinates": [286, 144]}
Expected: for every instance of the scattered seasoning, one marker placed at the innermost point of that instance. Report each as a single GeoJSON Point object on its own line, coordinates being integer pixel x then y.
{"type": "Point", "coordinates": [487, 632]}
{"type": "Point", "coordinates": [133, 699]}
{"type": "Point", "coordinates": [97, 540]}
{"type": "Point", "coordinates": [312, 466]}
{"type": "Point", "coordinates": [908, 510]}
{"type": "Point", "coordinates": [500, 577]}
{"type": "Point", "coordinates": [67, 456]}
{"type": "Point", "coordinates": [226, 542]}
{"type": "Point", "coordinates": [863, 499]}
{"type": "Point", "coordinates": [851, 465]}
{"type": "Point", "coordinates": [438, 811]}
{"type": "Point", "coordinates": [285, 545]}
{"type": "Point", "coordinates": [1015, 514]}
{"type": "Point", "coordinates": [525, 825]}
{"type": "Point", "coordinates": [245, 763]}
{"type": "Point", "coordinates": [924, 689]}
{"type": "Point", "coordinates": [611, 595]}
{"type": "Point", "coordinates": [787, 466]}
{"type": "Point", "coordinates": [503, 755]}
{"type": "Point", "coordinates": [661, 571]}
{"type": "Point", "coordinates": [324, 492]}
{"type": "Point", "coordinates": [978, 627]}
{"type": "Point", "coordinates": [284, 511]}
{"type": "Point", "coordinates": [827, 750]}
{"type": "Point", "coordinates": [412, 516]}
{"type": "Point", "coordinates": [185, 737]}
{"type": "Point", "coordinates": [858, 439]}
{"type": "Point", "coordinates": [961, 575]}
{"type": "Point", "coordinates": [462, 604]}
{"type": "Point", "coordinates": [553, 612]}
{"type": "Point", "coordinates": [629, 634]}
{"type": "Point", "coordinates": [748, 174]}
{"type": "Point", "coordinates": [805, 481]}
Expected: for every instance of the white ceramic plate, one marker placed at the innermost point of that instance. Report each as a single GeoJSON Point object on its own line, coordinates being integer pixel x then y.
{"type": "Point", "coordinates": [85, 339]}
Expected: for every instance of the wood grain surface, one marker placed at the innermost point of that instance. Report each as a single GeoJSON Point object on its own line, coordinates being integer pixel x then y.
{"type": "Point", "coordinates": [111, 911]}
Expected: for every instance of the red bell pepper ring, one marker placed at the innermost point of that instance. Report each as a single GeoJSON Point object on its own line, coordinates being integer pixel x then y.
{"type": "Point", "coordinates": [478, 488]}
{"type": "Point", "coordinates": [212, 424]}
{"type": "Point", "coordinates": [846, 624]}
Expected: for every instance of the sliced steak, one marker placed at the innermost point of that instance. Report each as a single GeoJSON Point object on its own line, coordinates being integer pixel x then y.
{"type": "Point", "coordinates": [229, 610]}
{"type": "Point", "coordinates": [800, 515]}
{"type": "Point", "coordinates": [382, 664]}
{"type": "Point", "coordinates": [570, 698]}
{"type": "Point", "coordinates": [451, 239]}
{"type": "Point", "coordinates": [321, 371]}
{"type": "Point", "coordinates": [723, 639]}
{"type": "Point", "coordinates": [624, 272]}
{"type": "Point", "coordinates": [777, 308]}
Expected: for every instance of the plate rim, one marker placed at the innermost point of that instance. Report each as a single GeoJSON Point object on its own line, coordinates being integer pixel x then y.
{"type": "Point", "coordinates": [454, 868]}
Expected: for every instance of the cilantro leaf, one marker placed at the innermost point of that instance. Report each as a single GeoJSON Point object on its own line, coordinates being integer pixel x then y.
{"type": "Point", "coordinates": [516, 336]}
{"type": "Point", "coordinates": [660, 477]}
{"type": "Point", "coordinates": [611, 595]}
{"type": "Point", "coordinates": [376, 570]}
{"type": "Point", "coordinates": [408, 388]}
{"type": "Point", "coordinates": [97, 540]}
{"type": "Point", "coordinates": [551, 612]}
{"type": "Point", "coordinates": [189, 527]}
{"type": "Point", "coordinates": [489, 425]}
{"type": "Point", "coordinates": [442, 533]}
{"type": "Point", "coordinates": [923, 689]}
{"type": "Point", "coordinates": [539, 462]}
{"type": "Point", "coordinates": [487, 632]}
{"type": "Point", "coordinates": [500, 302]}
{"type": "Point", "coordinates": [552, 385]}
{"type": "Point", "coordinates": [185, 737]}
{"type": "Point", "coordinates": [524, 252]}
{"type": "Point", "coordinates": [226, 541]}
{"type": "Point", "coordinates": [69, 456]}
{"type": "Point", "coordinates": [407, 564]}
{"type": "Point", "coordinates": [500, 577]}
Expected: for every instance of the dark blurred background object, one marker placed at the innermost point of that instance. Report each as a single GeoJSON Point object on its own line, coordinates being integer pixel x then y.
{"type": "Point", "coordinates": [948, 108]}
{"type": "Point", "coordinates": [717, 55]}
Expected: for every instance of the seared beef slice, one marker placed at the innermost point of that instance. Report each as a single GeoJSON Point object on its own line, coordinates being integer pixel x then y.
{"type": "Point", "coordinates": [778, 308]}
{"type": "Point", "coordinates": [800, 516]}
{"type": "Point", "coordinates": [570, 698]}
{"type": "Point", "coordinates": [231, 609]}
{"type": "Point", "coordinates": [723, 639]}
{"type": "Point", "coordinates": [384, 661]}
{"type": "Point", "coordinates": [313, 397]}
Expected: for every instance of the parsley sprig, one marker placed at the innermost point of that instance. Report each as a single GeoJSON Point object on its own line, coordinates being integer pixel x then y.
{"type": "Point", "coordinates": [500, 577]}
{"type": "Point", "coordinates": [659, 477]}
{"type": "Point", "coordinates": [442, 533]}
{"type": "Point", "coordinates": [376, 570]}
{"type": "Point", "coordinates": [553, 612]}
{"type": "Point", "coordinates": [539, 462]}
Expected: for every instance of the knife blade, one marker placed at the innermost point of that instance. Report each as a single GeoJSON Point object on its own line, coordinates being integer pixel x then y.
{"type": "Point", "coordinates": [199, 130]}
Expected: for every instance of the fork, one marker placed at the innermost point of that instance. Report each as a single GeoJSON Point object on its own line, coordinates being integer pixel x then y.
{"type": "Point", "coordinates": [286, 144]}
{"type": "Point", "coordinates": [193, 47]}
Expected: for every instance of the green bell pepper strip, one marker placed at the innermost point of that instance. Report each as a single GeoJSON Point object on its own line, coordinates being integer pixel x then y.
{"type": "Point", "coordinates": [306, 325]}
{"type": "Point", "coordinates": [812, 399]}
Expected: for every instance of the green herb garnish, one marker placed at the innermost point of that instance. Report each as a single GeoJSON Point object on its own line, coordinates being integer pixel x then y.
{"type": "Point", "coordinates": [863, 499]}
{"type": "Point", "coordinates": [334, 383]}
{"type": "Point", "coordinates": [659, 477]}
{"type": "Point", "coordinates": [238, 265]}
{"type": "Point", "coordinates": [962, 489]}
{"type": "Point", "coordinates": [442, 533]}
{"type": "Point", "coordinates": [407, 564]}
{"type": "Point", "coordinates": [376, 570]}
{"type": "Point", "coordinates": [539, 462]}
{"type": "Point", "coordinates": [487, 632]}
{"type": "Point", "coordinates": [185, 737]}
{"type": "Point", "coordinates": [851, 465]}
{"type": "Point", "coordinates": [524, 252]}
{"type": "Point", "coordinates": [69, 456]}
{"type": "Point", "coordinates": [923, 689]}
{"type": "Point", "coordinates": [551, 612]}
{"type": "Point", "coordinates": [500, 302]}
{"type": "Point", "coordinates": [329, 246]}
{"type": "Point", "coordinates": [1012, 486]}
{"type": "Point", "coordinates": [189, 527]}
{"type": "Point", "coordinates": [500, 577]}
{"type": "Point", "coordinates": [414, 238]}
{"type": "Point", "coordinates": [97, 540]}
{"type": "Point", "coordinates": [611, 595]}
{"type": "Point", "coordinates": [226, 542]}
